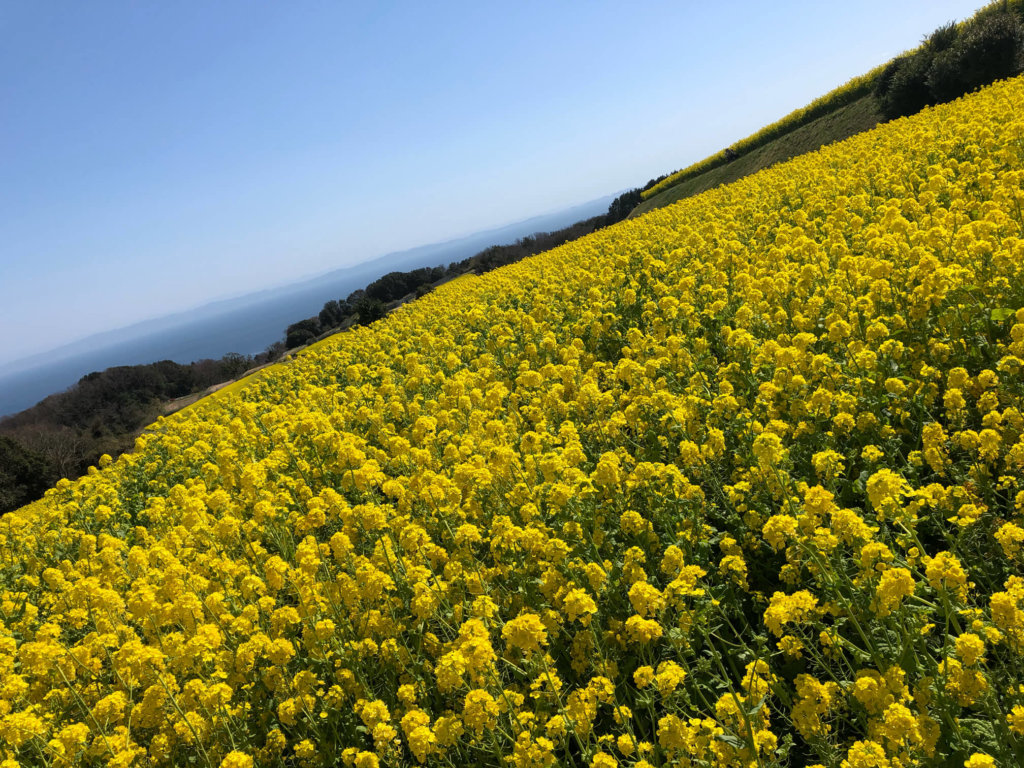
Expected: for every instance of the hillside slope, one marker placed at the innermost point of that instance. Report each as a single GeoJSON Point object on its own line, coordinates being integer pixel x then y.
{"type": "Point", "coordinates": [734, 483]}
{"type": "Point", "coordinates": [953, 60]}
{"type": "Point", "coordinates": [846, 121]}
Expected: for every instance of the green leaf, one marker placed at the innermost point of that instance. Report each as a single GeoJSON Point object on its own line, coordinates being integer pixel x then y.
{"type": "Point", "coordinates": [731, 740]}
{"type": "Point", "coordinates": [1000, 314]}
{"type": "Point", "coordinates": [757, 709]}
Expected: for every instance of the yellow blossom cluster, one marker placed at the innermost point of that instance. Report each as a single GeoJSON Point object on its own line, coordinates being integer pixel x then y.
{"type": "Point", "coordinates": [737, 483]}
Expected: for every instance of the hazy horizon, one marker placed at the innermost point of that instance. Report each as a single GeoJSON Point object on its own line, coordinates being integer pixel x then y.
{"type": "Point", "coordinates": [246, 324]}
{"type": "Point", "coordinates": [157, 155]}
{"type": "Point", "coordinates": [16, 363]}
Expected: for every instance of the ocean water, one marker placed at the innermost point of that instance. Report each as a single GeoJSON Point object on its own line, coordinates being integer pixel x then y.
{"type": "Point", "coordinates": [246, 325]}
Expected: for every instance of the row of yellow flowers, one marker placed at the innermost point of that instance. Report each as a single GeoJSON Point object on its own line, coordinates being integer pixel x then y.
{"type": "Point", "coordinates": [738, 483]}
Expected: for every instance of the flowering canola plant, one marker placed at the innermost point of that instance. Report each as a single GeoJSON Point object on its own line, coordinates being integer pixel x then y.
{"type": "Point", "coordinates": [737, 483]}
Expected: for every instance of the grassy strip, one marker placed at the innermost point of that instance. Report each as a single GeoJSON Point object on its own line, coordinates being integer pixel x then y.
{"type": "Point", "coordinates": [845, 94]}
{"type": "Point", "coordinates": [861, 115]}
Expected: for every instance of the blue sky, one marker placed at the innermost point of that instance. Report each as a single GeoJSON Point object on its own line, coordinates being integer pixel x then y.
{"type": "Point", "coordinates": [157, 155]}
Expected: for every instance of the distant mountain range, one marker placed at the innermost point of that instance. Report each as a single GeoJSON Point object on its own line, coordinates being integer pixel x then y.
{"type": "Point", "coordinates": [245, 324]}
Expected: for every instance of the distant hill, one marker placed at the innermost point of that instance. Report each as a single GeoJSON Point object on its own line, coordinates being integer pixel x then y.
{"type": "Point", "coordinates": [246, 324]}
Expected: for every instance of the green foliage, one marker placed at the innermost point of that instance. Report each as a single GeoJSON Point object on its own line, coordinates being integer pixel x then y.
{"type": "Point", "coordinates": [943, 38]}
{"type": "Point", "coordinates": [24, 475]}
{"type": "Point", "coordinates": [952, 61]}
{"type": "Point", "coordinates": [624, 204]}
{"type": "Point", "coordinates": [945, 78]}
{"type": "Point", "coordinates": [370, 310]}
{"type": "Point", "coordinates": [397, 285]}
{"type": "Point", "coordinates": [67, 432]}
{"type": "Point", "coordinates": [334, 313]}
{"type": "Point", "coordinates": [905, 90]}
{"type": "Point", "coordinates": [302, 332]}
{"type": "Point", "coordinates": [991, 49]}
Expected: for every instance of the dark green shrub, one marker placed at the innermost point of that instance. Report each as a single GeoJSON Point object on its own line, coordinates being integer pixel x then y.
{"type": "Point", "coordinates": [623, 205]}
{"type": "Point", "coordinates": [902, 88]}
{"type": "Point", "coordinates": [990, 49]}
{"type": "Point", "coordinates": [885, 78]}
{"type": "Point", "coordinates": [943, 38]}
{"type": "Point", "coordinates": [946, 78]}
{"type": "Point", "coordinates": [370, 310]}
{"type": "Point", "coordinates": [24, 475]}
{"type": "Point", "coordinates": [302, 332]}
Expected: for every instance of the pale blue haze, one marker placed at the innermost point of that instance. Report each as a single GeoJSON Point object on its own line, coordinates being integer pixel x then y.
{"type": "Point", "coordinates": [157, 155]}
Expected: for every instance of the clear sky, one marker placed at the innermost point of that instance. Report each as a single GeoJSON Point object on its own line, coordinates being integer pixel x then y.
{"type": "Point", "coordinates": [156, 155]}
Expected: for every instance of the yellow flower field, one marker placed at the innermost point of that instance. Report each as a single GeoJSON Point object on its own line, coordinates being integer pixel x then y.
{"type": "Point", "coordinates": [737, 483]}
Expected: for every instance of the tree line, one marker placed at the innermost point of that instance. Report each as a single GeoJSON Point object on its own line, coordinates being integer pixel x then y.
{"type": "Point", "coordinates": [367, 304]}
